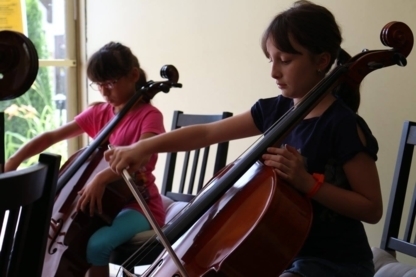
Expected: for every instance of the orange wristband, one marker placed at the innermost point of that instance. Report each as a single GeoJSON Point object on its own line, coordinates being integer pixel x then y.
{"type": "Point", "coordinates": [319, 180]}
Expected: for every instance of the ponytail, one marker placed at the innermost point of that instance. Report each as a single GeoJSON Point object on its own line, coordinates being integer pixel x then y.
{"type": "Point", "coordinates": [142, 82]}
{"type": "Point", "coordinates": [142, 79]}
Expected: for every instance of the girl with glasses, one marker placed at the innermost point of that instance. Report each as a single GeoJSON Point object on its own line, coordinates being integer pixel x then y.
{"type": "Point", "coordinates": [115, 72]}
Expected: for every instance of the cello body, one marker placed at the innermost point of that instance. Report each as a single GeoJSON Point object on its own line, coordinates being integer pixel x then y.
{"type": "Point", "coordinates": [260, 218]}
{"type": "Point", "coordinates": [70, 230]}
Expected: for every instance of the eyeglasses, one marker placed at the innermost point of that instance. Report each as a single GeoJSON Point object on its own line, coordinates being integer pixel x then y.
{"type": "Point", "coordinates": [99, 86]}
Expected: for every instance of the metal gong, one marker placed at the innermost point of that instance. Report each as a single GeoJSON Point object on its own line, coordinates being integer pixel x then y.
{"type": "Point", "coordinates": [19, 64]}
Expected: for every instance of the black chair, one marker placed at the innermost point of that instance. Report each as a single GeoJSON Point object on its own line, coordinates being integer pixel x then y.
{"type": "Point", "coordinates": [186, 192]}
{"type": "Point", "coordinates": [176, 195]}
{"type": "Point", "coordinates": [26, 200]}
{"type": "Point", "coordinates": [390, 239]}
{"type": "Point", "coordinates": [398, 236]}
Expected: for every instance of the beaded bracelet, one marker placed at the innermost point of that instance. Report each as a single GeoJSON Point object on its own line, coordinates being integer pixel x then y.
{"type": "Point", "coordinates": [319, 180]}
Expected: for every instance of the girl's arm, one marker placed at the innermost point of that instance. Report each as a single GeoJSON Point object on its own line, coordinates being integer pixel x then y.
{"type": "Point", "coordinates": [202, 135]}
{"type": "Point", "coordinates": [91, 194]}
{"type": "Point", "coordinates": [363, 202]}
{"type": "Point", "coordinates": [42, 142]}
{"type": "Point", "coordinates": [183, 139]}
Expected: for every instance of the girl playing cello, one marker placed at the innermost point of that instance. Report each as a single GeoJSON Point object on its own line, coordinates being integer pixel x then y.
{"type": "Point", "coordinates": [116, 73]}
{"type": "Point", "coordinates": [330, 156]}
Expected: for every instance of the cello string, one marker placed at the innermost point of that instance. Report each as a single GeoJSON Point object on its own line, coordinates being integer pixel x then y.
{"type": "Point", "coordinates": [141, 251]}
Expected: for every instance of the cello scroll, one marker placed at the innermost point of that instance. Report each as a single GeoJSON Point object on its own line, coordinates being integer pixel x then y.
{"type": "Point", "coordinates": [394, 34]}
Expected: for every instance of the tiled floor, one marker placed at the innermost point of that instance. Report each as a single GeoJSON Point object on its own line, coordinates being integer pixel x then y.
{"type": "Point", "coordinates": [114, 270]}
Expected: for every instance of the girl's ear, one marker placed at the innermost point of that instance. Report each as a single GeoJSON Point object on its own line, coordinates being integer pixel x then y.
{"type": "Point", "coordinates": [323, 61]}
{"type": "Point", "coordinates": [135, 74]}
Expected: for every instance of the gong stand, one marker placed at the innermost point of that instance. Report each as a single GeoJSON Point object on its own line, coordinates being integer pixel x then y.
{"type": "Point", "coordinates": [19, 65]}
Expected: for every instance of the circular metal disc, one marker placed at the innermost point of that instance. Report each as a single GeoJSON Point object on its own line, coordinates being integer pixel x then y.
{"type": "Point", "coordinates": [19, 64]}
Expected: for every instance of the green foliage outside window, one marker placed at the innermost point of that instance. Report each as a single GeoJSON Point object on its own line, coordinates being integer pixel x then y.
{"type": "Point", "coordinates": [35, 124]}
{"type": "Point", "coordinates": [32, 113]}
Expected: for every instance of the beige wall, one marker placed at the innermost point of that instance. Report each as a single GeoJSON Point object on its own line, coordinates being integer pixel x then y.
{"type": "Point", "coordinates": [215, 46]}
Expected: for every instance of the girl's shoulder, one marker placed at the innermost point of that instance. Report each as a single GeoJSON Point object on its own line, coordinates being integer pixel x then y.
{"type": "Point", "coordinates": [98, 105]}
{"type": "Point", "coordinates": [149, 107]}
{"type": "Point", "coordinates": [338, 112]}
{"type": "Point", "coordinates": [146, 111]}
{"type": "Point", "coordinates": [276, 101]}
{"type": "Point", "coordinates": [346, 123]}
{"type": "Point", "coordinates": [96, 108]}
{"type": "Point", "coordinates": [274, 106]}
{"type": "Point", "coordinates": [266, 111]}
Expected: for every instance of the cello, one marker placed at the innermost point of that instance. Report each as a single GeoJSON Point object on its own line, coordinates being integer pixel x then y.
{"type": "Point", "coordinates": [70, 230]}
{"type": "Point", "coordinates": [245, 205]}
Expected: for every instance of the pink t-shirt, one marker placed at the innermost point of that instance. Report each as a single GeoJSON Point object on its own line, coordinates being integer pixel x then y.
{"type": "Point", "coordinates": [138, 121]}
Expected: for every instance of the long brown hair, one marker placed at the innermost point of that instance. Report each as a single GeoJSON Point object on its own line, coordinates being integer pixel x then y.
{"type": "Point", "coordinates": [314, 27]}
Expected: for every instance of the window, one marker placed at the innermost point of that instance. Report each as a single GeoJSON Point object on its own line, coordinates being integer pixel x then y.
{"type": "Point", "coordinates": [45, 106]}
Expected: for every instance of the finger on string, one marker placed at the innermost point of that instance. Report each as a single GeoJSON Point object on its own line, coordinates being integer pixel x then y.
{"type": "Point", "coordinates": [274, 150]}
{"type": "Point", "coordinates": [265, 157]}
{"type": "Point", "coordinates": [276, 158]}
{"type": "Point", "coordinates": [280, 166]}
{"type": "Point", "coordinates": [84, 205]}
{"type": "Point", "coordinates": [291, 149]}
{"type": "Point", "coordinates": [281, 174]}
{"type": "Point", "coordinates": [78, 206]}
{"type": "Point", "coordinates": [108, 155]}
{"type": "Point", "coordinates": [99, 207]}
{"type": "Point", "coordinates": [92, 208]}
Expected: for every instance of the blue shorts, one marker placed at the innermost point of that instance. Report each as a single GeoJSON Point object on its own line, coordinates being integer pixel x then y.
{"type": "Point", "coordinates": [315, 267]}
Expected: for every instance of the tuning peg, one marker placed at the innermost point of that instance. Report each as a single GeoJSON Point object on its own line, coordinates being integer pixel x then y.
{"type": "Point", "coordinates": [400, 59]}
